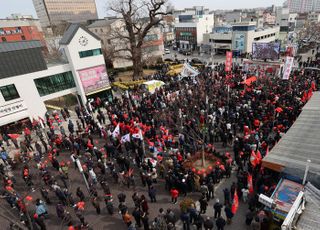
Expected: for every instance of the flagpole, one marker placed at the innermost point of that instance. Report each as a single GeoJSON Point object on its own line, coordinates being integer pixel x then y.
{"type": "Point", "coordinates": [143, 144]}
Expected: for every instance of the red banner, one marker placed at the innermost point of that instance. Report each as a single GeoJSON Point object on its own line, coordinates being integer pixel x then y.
{"type": "Point", "coordinates": [235, 203]}
{"type": "Point", "coordinates": [228, 64]}
{"type": "Point", "coordinates": [250, 184]}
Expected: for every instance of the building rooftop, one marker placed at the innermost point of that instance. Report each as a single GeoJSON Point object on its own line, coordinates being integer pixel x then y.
{"type": "Point", "coordinates": [299, 144]}
{"type": "Point", "coordinates": [102, 23]}
{"type": "Point", "coordinates": [71, 31]}
{"type": "Point", "coordinates": [310, 217]}
{"type": "Point", "coordinates": [19, 45]}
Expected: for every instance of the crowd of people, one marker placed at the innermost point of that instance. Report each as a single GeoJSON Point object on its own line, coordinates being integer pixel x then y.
{"type": "Point", "coordinates": [148, 140]}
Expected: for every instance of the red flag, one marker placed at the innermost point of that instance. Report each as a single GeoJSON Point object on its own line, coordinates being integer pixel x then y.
{"type": "Point", "coordinates": [235, 203]}
{"type": "Point", "coordinates": [313, 86]}
{"type": "Point", "coordinates": [259, 157]}
{"type": "Point", "coordinates": [253, 159]}
{"type": "Point", "coordinates": [13, 135]}
{"type": "Point", "coordinates": [250, 184]}
{"type": "Point", "coordinates": [310, 93]}
{"type": "Point", "coordinates": [89, 145]}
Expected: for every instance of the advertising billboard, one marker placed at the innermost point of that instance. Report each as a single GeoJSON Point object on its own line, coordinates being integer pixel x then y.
{"type": "Point", "coordinates": [239, 42]}
{"type": "Point", "coordinates": [262, 50]}
{"type": "Point", "coordinates": [94, 78]}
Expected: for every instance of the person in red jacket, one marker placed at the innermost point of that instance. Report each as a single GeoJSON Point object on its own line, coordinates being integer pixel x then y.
{"type": "Point", "coordinates": [174, 195]}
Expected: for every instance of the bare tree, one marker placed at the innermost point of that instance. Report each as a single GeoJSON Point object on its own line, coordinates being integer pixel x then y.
{"type": "Point", "coordinates": [138, 16]}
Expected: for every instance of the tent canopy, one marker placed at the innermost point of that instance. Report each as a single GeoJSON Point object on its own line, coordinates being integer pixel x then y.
{"type": "Point", "coordinates": [300, 143]}
{"type": "Point", "coordinates": [153, 85]}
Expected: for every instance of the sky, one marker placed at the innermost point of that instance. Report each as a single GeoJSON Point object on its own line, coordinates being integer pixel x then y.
{"type": "Point", "coordinates": [26, 6]}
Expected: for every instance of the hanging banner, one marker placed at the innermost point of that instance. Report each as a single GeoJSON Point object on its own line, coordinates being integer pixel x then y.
{"type": "Point", "coordinates": [228, 61]}
{"type": "Point", "coordinates": [94, 78]}
{"type": "Point", "coordinates": [287, 68]}
{"type": "Point", "coordinates": [188, 71]}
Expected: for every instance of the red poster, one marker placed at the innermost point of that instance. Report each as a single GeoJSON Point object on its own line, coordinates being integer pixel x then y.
{"type": "Point", "coordinates": [228, 64]}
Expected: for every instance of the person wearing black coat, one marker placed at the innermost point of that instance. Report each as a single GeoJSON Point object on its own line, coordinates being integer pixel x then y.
{"type": "Point", "coordinates": [217, 209]}
{"type": "Point", "coordinates": [122, 197]}
{"type": "Point", "coordinates": [208, 224]}
{"type": "Point", "coordinates": [145, 221]}
{"type": "Point", "coordinates": [220, 223]}
{"type": "Point", "coordinates": [229, 214]}
{"type": "Point", "coordinates": [137, 214]}
{"type": "Point", "coordinates": [203, 205]}
{"type": "Point", "coordinates": [198, 222]}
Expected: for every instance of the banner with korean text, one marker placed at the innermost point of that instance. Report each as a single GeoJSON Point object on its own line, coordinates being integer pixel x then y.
{"type": "Point", "coordinates": [228, 64]}
{"type": "Point", "coordinates": [287, 68]}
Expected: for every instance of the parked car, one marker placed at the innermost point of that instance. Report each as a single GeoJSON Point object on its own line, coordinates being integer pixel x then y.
{"type": "Point", "coordinates": [166, 51]}
{"type": "Point", "coordinates": [185, 52]}
{"type": "Point", "coordinates": [196, 61]}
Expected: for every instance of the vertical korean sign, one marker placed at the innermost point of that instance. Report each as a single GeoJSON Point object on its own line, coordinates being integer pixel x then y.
{"type": "Point", "coordinates": [228, 61]}
{"type": "Point", "coordinates": [287, 68]}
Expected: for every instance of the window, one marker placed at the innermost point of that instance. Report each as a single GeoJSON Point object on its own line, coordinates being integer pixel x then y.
{"type": "Point", "coordinates": [89, 53]}
{"type": "Point", "coordinates": [9, 92]}
{"type": "Point", "coordinates": [54, 83]}
{"type": "Point", "coordinates": [3, 39]}
{"type": "Point", "coordinates": [23, 37]}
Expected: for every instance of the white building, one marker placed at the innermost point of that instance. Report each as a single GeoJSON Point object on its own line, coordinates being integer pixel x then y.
{"type": "Point", "coordinates": [241, 37]}
{"type": "Point", "coordinates": [189, 30]}
{"type": "Point", "coordinates": [27, 82]}
{"type": "Point", "coordinates": [314, 17]}
{"type": "Point", "coordinates": [196, 10]}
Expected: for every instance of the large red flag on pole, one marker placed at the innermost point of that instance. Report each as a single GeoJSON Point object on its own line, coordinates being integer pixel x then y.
{"type": "Point", "coordinates": [235, 203]}
{"type": "Point", "coordinates": [250, 184]}
{"type": "Point", "coordinates": [259, 157]}
{"type": "Point", "coordinates": [253, 159]}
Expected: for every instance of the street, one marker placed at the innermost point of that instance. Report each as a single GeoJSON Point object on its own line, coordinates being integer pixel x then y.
{"type": "Point", "coordinates": [104, 220]}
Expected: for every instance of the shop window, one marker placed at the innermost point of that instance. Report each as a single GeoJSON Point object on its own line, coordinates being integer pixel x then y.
{"type": "Point", "coordinates": [54, 83]}
{"type": "Point", "coordinates": [9, 92]}
{"type": "Point", "coordinates": [89, 53]}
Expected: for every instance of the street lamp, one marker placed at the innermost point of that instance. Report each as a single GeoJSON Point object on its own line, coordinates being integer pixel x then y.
{"type": "Point", "coordinates": [306, 172]}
